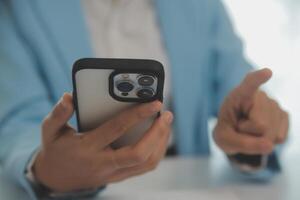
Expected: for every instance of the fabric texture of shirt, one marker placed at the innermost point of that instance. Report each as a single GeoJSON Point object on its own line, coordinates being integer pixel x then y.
{"type": "Point", "coordinates": [127, 29]}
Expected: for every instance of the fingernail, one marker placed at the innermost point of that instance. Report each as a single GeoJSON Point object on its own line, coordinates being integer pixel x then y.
{"type": "Point", "coordinates": [63, 102]}
{"type": "Point", "coordinates": [168, 117]}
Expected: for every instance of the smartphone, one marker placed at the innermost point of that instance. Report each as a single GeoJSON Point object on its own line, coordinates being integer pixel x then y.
{"type": "Point", "coordinates": [102, 88]}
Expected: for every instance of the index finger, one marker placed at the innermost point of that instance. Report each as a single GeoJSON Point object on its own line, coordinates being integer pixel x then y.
{"type": "Point", "coordinates": [116, 127]}
{"type": "Point", "coordinates": [233, 142]}
{"type": "Point", "coordinates": [252, 82]}
{"type": "Point", "coordinates": [140, 152]}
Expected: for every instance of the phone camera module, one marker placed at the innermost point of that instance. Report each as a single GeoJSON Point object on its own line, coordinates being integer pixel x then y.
{"type": "Point", "coordinates": [145, 93]}
{"type": "Point", "coordinates": [125, 86]}
{"type": "Point", "coordinates": [146, 80]}
{"type": "Point", "coordinates": [133, 87]}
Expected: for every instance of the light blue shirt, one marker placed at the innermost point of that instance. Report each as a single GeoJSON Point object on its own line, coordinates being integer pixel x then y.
{"type": "Point", "coordinates": [40, 40]}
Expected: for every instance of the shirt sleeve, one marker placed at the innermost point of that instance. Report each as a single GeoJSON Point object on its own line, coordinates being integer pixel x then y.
{"type": "Point", "coordinates": [23, 103]}
{"type": "Point", "coordinates": [230, 69]}
{"type": "Point", "coordinates": [25, 99]}
{"type": "Point", "coordinates": [229, 61]}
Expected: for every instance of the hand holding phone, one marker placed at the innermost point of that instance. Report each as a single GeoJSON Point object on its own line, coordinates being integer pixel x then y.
{"type": "Point", "coordinates": [68, 161]}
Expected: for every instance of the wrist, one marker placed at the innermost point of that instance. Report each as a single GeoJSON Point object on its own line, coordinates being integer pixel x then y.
{"type": "Point", "coordinates": [38, 180]}
{"type": "Point", "coordinates": [43, 175]}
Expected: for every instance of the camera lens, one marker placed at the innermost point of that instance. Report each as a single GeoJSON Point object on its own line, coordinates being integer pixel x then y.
{"type": "Point", "coordinates": [125, 86]}
{"type": "Point", "coordinates": [145, 93]}
{"type": "Point", "coordinates": [146, 80]}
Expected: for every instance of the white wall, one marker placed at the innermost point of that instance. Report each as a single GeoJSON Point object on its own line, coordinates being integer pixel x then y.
{"type": "Point", "coordinates": [271, 32]}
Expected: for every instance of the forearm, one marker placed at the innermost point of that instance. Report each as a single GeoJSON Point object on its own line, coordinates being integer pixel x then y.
{"type": "Point", "coordinates": [15, 155]}
{"type": "Point", "coordinates": [20, 136]}
{"type": "Point", "coordinates": [19, 143]}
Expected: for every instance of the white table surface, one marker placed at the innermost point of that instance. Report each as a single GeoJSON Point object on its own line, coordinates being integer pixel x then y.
{"type": "Point", "coordinates": [194, 174]}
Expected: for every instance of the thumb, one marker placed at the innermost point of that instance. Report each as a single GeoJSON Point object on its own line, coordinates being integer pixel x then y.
{"type": "Point", "coordinates": [249, 86]}
{"type": "Point", "coordinates": [58, 117]}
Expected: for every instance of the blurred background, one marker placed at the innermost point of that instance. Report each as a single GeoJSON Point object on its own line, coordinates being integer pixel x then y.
{"type": "Point", "coordinates": [271, 33]}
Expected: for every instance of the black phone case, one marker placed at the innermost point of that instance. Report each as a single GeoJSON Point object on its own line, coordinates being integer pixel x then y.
{"type": "Point", "coordinates": [118, 66]}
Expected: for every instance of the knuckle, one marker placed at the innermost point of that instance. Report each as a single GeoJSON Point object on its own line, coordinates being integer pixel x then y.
{"type": "Point", "coordinates": [286, 114]}
{"type": "Point", "coordinates": [84, 158]}
{"type": "Point", "coordinates": [221, 144]}
{"type": "Point", "coordinates": [152, 163]}
{"type": "Point", "coordinates": [261, 147]}
{"type": "Point", "coordinates": [230, 151]}
{"type": "Point", "coordinates": [216, 137]}
{"type": "Point", "coordinates": [275, 103]}
{"type": "Point", "coordinates": [248, 79]}
{"type": "Point", "coordinates": [162, 127]}
{"type": "Point", "coordinates": [223, 147]}
{"type": "Point", "coordinates": [168, 132]}
{"type": "Point", "coordinates": [140, 112]}
{"type": "Point", "coordinates": [256, 111]}
{"type": "Point", "coordinates": [55, 113]}
{"type": "Point", "coordinates": [280, 139]}
{"type": "Point", "coordinates": [261, 124]}
{"type": "Point", "coordinates": [45, 123]}
{"type": "Point", "coordinates": [264, 127]}
{"type": "Point", "coordinates": [263, 94]}
{"type": "Point", "coordinates": [244, 144]}
{"type": "Point", "coordinates": [265, 147]}
{"type": "Point", "coordinates": [248, 76]}
{"type": "Point", "coordinates": [226, 148]}
{"type": "Point", "coordinates": [284, 138]}
{"type": "Point", "coordinates": [153, 166]}
{"type": "Point", "coordinates": [215, 133]}
{"type": "Point", "coordinates": [92, 167]}
{"type": "Point", "coordinates": [84, 140]}
{"type": "Point", "coordinates": [119, 126]}
{"type": "Point", "coordinates": [138, 156]}
{"type": "Point", "coordinates": [270, 148]}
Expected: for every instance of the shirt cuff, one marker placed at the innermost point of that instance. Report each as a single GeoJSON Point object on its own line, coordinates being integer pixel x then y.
{"type": "Point", "coordinates": [248, 163]}
{"type": "Point", "coordinates": [257, 167]}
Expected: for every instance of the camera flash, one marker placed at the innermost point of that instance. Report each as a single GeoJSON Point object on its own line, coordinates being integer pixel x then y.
{"type": "Point", "coordinates": [125, 76]}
